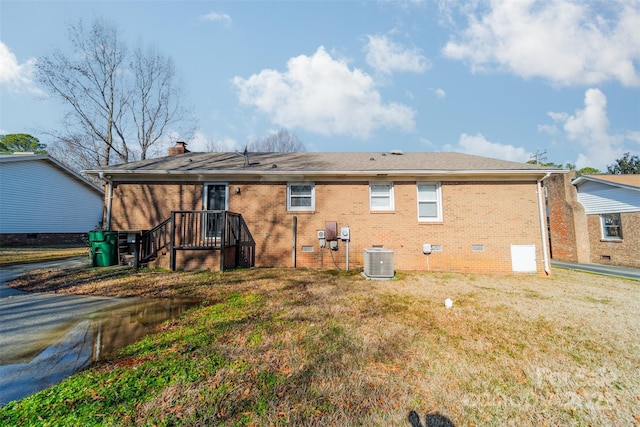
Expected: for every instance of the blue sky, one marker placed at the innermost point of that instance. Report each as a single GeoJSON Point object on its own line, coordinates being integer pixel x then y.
{"type": "Point", "coordinates": [501, 79]}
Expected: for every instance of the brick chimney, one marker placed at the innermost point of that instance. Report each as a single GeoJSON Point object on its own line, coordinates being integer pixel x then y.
{"type": "Point", "coordinates": [179, 148]}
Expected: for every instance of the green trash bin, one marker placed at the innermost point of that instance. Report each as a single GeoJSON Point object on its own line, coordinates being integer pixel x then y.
{"type": "Point", "coordinates": [104, 248]}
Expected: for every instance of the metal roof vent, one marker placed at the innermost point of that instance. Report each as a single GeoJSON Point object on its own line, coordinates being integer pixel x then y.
{"type": "Point", "coordinates": [397, 152]}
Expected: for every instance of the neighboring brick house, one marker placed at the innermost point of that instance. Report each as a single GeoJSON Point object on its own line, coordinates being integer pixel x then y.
{"type": "Point", "coordinates": [478, 214]}
{"type": "Point", "coordinates": [42, 201]}
{"type": "Point", "coordinates": [595, 218]}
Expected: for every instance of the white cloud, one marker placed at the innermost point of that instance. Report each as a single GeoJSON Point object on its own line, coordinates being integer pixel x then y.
{"type": "Point", "coordinates": [565, 42]}
{"type": "Point", "coordinates": [588, 128]}
{"type": "Point", "coordinates": [201, 143]}
{"type": "Point", "coordinates": [17, 77]}
{"type": "Point", "coordinates": [217, 17]}
{"type": "Point", "coordinates": [478, 145]}
{"type": "Point", "coordinates": [440, 93]}
{"type": "Point", "coordinates": [387, 56]}
{"type": "Point", "coordinates": [549, 129]}
{"type": "Point", "coordinates": [634, 136]}
{"type": "Point", "coordinates": [321, 94]}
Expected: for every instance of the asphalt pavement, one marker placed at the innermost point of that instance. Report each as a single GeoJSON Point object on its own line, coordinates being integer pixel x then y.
{"type": "Point", "coordinates": [10, 273]}
{"type": "Point", "coordinates": [30, 323]}
{"type": "Point", "coordinates": [608, 270]}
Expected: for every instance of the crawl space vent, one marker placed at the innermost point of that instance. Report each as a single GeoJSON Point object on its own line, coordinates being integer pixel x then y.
{"type": "Point", "coordinates": [378, 263]}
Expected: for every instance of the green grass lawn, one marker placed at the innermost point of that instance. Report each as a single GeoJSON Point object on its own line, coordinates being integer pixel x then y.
{"type": "Point", "coordinates": [307, 347]}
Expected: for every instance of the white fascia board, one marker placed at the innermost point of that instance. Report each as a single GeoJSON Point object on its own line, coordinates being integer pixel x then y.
{"type": "Point", "coordinates": [260, 175]}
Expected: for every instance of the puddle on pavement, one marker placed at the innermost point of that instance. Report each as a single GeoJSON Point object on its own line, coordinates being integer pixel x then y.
{"type": "Point", "coordinates": [77, 344]}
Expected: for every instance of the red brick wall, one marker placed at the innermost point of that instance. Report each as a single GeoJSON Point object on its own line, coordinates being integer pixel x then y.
{"type": "Point", "coordinates": [141, 206]}
{"type": "Point", "coordinates": [623, 253]}
{"type": "Point", "coordinates": [492, 214]}
{"type": "Point", "coordinates": [567, 220]}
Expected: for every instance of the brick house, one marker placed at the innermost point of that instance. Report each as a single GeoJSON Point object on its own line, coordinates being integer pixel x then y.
{"type": "Point", "coordinates": [42, 201]}
{"type": "Point", "coordinates": [595, 218]}
{"type": "Point", "coordinates": [477, 214]}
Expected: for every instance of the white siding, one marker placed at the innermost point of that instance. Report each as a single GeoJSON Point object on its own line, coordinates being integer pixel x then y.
{"type": "Point", "coordinates": [601, 198]}
{"type": "Point", "coordinates": [38, 197]}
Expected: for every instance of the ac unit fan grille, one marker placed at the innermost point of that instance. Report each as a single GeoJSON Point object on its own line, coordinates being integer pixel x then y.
{"type": "Point", "coordinates": [378, 263]}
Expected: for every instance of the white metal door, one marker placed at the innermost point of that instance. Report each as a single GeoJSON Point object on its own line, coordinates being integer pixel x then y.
{"type": "Point", "coordinates": [523, 258]}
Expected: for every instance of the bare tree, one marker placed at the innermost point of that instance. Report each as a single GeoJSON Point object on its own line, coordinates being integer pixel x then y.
{"type": "Point", "coordinates": [89, 84]}
{"type": "Point", "coordinates": [157, 103]}
{"type": "Point", "coordinates": [117, 110]}
{"type": "Point", "coordinates": [281, 142]}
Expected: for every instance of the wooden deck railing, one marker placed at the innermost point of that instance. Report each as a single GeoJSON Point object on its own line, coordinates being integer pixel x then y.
{"type": "Point", "coordinates": [200, 230]}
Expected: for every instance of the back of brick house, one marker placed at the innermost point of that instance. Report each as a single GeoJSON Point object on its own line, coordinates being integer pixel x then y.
{"type": "Point", "coordinates": [472, 217]}
{"type": "Point", "coordinates": [604, 227]}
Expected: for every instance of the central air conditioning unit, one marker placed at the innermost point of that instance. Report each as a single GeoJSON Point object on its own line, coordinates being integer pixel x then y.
{"type": "Point", "coordinates": [378, 263]}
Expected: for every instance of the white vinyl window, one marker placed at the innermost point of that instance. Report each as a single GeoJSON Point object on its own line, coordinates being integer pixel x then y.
{"type": "Point", "coordinates": [301, 197]}
{"type": "Point", "coordinates": [381, 197]}
{"type": "Point", "coordinates": [611, 226]}
{"type": "Point", "coordinates": [429, 202]}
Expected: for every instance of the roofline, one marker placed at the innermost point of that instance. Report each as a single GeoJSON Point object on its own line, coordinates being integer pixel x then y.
{"type": "Point", "coordinates": [54, 162]}
{"type": "Point", "coordinates": [161, 173]}
{"type": "Point", "coordinates": [581, 179]}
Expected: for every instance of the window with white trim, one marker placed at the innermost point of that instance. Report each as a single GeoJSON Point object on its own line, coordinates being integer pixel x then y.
{"type": "Point", "coordinates": [429, 202]}
{"type": "Point", "coordinates": [301, 197]}
{"type": "Point", "coordinates": [611, 226]}
{"type": "Point", "coordinates": [381, 197]}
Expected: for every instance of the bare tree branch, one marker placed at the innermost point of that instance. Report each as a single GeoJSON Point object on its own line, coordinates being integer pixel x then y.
{"type": "Point", "coordinates": [281, 142]}
{"type": "Point", "coordinates": [120, 105]}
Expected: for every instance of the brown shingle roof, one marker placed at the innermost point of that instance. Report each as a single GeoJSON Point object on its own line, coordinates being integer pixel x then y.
{"type": "Point", "coordinates": [320, 163]}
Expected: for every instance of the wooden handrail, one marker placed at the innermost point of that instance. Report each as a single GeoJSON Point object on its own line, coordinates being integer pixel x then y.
{"type": "Point", "coordinates": [200, 230]}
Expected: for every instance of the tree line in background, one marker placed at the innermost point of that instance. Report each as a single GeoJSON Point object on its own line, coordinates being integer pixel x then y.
{"type": "Point", "coordinates": [626, 165]}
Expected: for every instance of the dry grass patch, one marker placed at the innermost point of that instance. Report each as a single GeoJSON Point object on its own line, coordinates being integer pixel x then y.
{"type": "Point", "coordinates": [307, 347]}
{"type": "Point", "coordinates": [22, 255]}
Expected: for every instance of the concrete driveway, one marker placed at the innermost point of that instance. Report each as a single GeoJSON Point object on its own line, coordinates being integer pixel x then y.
{"type": "Point", "coordinates": [9, 273]}
{"type": "Point", "coordinates": [44, 338]}
{"type": "Point", "coordinates": [30, 323]}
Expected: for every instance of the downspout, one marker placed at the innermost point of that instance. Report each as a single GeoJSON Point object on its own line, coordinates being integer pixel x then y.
{"type": "Point", "coordinates": [543, 228]}
{"type": "Point", "coordinates": [107, 219]}
{"type": "Point", "coordinates": [294, 242]}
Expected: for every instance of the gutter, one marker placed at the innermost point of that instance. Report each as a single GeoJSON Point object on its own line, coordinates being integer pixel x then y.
{"type": "Point", "coordinates": [278, 175]}
{"type": "Point", "coordinates": [543, 228]}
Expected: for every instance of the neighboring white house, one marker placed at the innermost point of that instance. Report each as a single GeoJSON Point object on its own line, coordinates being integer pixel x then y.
{"type": "Point", "coordinates": [595, 218]}
{"type": "Point", "coordinates": [43, 201]}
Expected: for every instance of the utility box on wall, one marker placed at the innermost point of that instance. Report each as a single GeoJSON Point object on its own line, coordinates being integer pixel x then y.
{"type": "Point", "coordinates": [331, 230]}
{"type": "Point", "coordinates": [378, 263]}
